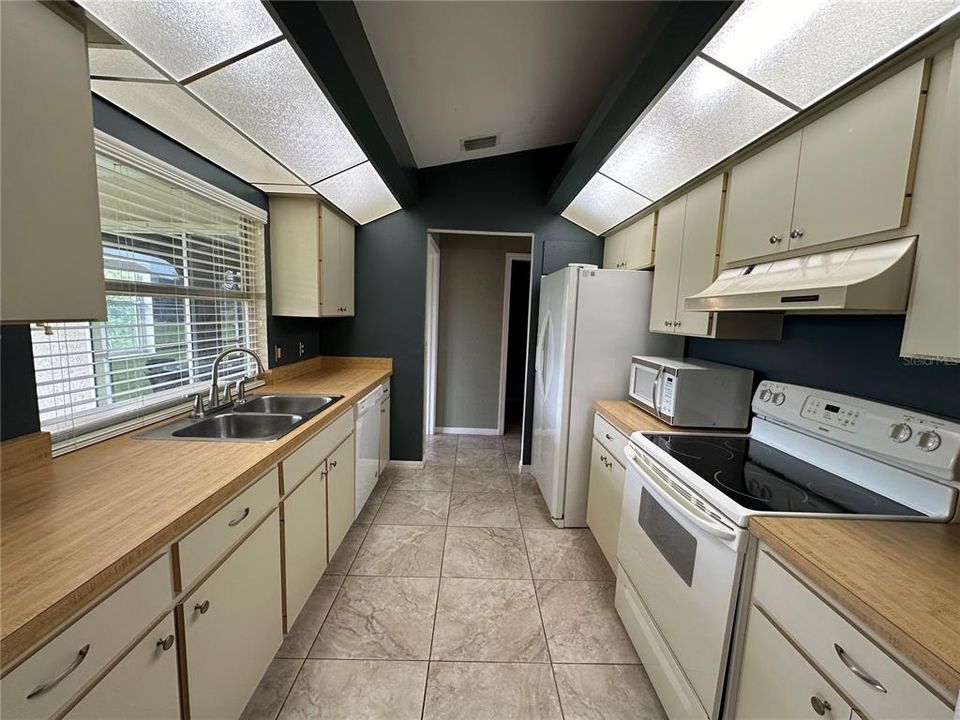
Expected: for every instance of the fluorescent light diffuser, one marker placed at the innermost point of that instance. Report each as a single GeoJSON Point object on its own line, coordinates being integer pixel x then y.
{"type": "Point", "coordinates": [804, 49]}
{"type": "Point", "coordinates": [272, 97]}
{"type": "Point", "coordinates": [186, 36]}
{"type": "Point", "coordinates": [121, 62]}
{"type": "Point", "coordinates": [173, 111]}
{"type": "Point", "coordinates": [602, 204]}
{"type": "Point", "coordinates": [705, 116]}
{"type": "Point", "coordinates": [360, 192]}
{"type": "Point", "coordinates": [278, 189]}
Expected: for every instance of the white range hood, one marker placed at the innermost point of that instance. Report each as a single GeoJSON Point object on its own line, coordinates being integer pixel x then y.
{"type": "Point", "coordinates": [868, 278]}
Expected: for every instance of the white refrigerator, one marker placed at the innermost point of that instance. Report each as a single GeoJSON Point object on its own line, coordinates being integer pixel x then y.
{"type": "Point", "coordinates": [592, 323]}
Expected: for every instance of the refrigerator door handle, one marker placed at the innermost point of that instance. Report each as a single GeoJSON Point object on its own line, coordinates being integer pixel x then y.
{"type": "Point", "coordinates": [541, 341]}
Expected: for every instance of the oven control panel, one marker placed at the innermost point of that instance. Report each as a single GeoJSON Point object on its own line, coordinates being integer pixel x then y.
{"type": "Point", "coordinates": [920, 442]}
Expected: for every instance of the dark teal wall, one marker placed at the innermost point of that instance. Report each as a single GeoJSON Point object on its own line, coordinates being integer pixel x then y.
{"type": "Point", "coordinates": [501, 194]}
{"type": "Point", "coordinates": [854, 354]}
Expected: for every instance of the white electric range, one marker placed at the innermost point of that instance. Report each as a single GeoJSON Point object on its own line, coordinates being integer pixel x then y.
{"type": "Point", "coordinates": [688, 500]}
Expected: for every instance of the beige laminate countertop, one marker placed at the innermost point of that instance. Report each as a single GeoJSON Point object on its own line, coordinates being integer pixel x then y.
{"type": "Point", "coordinates": [900, 579]}
{"type": "Point", "coordinates": [628, 419]}
{"type": "Point", "coordinates": [73, 526]}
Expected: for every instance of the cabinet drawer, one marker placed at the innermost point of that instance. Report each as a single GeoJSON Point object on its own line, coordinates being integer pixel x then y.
{"type": "Point", "coordinates": [611, 438]}
{"type": "Point", "coordinates": [216, 534]}
{"type": "Point", "coordinates": [144, 685]}
{"type": "Point", "coordinates": [827, 638]}
{"type": "Point", "coordinates": [100, 635]}
{"type": "Point", "coordinates": [302, 461]}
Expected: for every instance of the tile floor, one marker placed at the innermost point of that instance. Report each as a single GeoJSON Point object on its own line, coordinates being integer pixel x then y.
{"type": "Point", "coordinates": [454, 596]}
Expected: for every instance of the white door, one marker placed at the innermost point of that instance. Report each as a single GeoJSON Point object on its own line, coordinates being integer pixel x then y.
{"type": "Point", "coordinates": [551, 386]}
{"type": "Point", "coordinates": [604, 500]}
{"type": "Point", "coordinates": [638, 244]}
{"type": "Point", "coordinates": [305, 540]}
{"type": "Point", "coordinates": [330, 281]}
{"type": "Point", "coordinates": [613, 250]}
{"type": "Point", "coordinates": [701, 230]}
{"type": "Point", "coordinates": [341, 493]}
{"type": "Point", "coordinates": [347, 262]}
{"type": "Point", "coordinates": [666, 276]}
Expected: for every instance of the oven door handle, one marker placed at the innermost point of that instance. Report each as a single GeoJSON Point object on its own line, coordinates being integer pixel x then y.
{"type": "Point", "coordinates": [661, 487]}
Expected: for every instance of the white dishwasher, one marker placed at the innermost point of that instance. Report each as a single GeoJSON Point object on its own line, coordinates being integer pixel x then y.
{"type": "Point", "coordinates": [368, 446]}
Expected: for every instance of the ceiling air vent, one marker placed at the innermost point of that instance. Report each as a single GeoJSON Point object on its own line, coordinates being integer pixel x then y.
{"type": "Point", "coordinates": [479, 143]}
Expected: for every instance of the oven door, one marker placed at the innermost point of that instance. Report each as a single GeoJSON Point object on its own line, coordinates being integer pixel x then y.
{"type": "Point", "coordinates": [684, 560]}
{"type": "Point", "coordinates": [645, 384]}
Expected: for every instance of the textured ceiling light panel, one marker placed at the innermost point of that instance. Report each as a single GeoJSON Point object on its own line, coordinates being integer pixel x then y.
{"type": "Point", "coordinates": [804, 49]}
{"type": "Point", "coordinates": [186, 36]}
{"type": "Point", "coordinates": [705, 116]}
{"type": "Point", "coordinates": [277, 189]}
{"type": "Point", "coordinates": [119, 62]}
{"type": "Point", "coordinates": [272, 97]}
{"type": "Point", "coordinates": [360, 192]}
{"type": "Point", "coordinates": [174, 112]}
{"type": "Point", "coordinates": [602, 204]}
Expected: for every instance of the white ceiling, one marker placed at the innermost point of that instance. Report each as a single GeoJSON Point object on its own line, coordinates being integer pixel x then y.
{"type": "Point", "coordinates": [532, 72]}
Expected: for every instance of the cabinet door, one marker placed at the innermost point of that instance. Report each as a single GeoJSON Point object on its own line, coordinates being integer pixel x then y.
{"type": "Point", "coordinates": [856, 163]}
{"type": "Point", "coordinates": [760, 202]}
{"type": "Point", "coordinates": [233, 625]}
{"type": "Point", "coordinates": [776, 681]}
{"type": "Point", "coordinates": [604, 498]}
{"type": "Point", "coordinates": [613, 251]}
{"type": "Point", "coordinates": [304, 540]}
{"type": "Point", "coordinates": [295, 239]}
{"type": "Point", "coordinates": [701, 230]}
{"type": "Point", "coordinates": [144, 685]}
{"type": "Point", "coordinates": [341, 493]}
{"type": "Point", "coordinates": [638, 243]}
{"type": "Point", "coordinates": [384, 433]}
{"type": "Point", "coordinates": [666, 274]}
{"type": "Point", "coordinates": [330, 271]}
{"type": "Point", "coordinates": [347, 259]}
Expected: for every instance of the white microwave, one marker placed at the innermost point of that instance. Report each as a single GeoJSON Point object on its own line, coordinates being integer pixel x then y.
{"type": "Point", "coordinates": [692, 393]}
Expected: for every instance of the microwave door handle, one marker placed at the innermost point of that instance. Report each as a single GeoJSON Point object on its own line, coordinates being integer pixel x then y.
{"type": "Point", "coordinates": [656, 391]}
{"type": "Point", "coordinates": [670, 496]}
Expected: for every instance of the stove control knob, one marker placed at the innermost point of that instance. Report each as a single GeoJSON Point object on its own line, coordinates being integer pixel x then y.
{"type": "Point", "coordinates": [778, 398]}
{"type": "Point", "coordinates": [928, 441]}
{"type": "Point", "coordinates": [900, 432]}
{"type": "Point", "coordinates": [766, 394]}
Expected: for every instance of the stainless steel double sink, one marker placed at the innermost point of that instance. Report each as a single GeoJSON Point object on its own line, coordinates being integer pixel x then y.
{"type": "Point", "coordinates": [261, 418]}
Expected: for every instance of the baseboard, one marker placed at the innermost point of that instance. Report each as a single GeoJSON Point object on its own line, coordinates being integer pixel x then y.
{"type": "Point", "coordinates": [466, 431]}
{"type": "Point", "coordinates": [405, 463]}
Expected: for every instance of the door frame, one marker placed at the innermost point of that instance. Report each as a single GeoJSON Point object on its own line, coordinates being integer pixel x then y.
{"type": "Point", "coordinates": [509, 260]}
{"type": "Point", "coordinates": [431, 329]}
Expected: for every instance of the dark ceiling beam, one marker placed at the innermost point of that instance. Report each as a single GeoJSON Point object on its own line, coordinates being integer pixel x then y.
{"type": "Point", "coordinates": [676, 30]}
{"type": "Point", "coordinates": [330, 39]}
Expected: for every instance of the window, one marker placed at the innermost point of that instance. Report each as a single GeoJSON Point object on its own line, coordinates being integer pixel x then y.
{"type": "Point", "coordinates": [184, 274]}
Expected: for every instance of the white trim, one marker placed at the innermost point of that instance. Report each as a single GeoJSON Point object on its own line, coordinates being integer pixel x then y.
{"type": "Point", "coordinates": [441, 231]}
{"type": "Point", "coordinates": [431, 330]}
{"type": "Point", "coordinates": [467, 431]}
{"type": "Point", "coordinates": [509, 259]}
{"type": "Point", "coordinates": [129, 155]}
{"type": "Point", "coordinates": [405, 463]}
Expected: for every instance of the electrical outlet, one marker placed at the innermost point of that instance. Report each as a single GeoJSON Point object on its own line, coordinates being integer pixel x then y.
{"type": "Point", "coordinates": [277, 352]}
{"type": "Point", "coordinates": [302, 349]}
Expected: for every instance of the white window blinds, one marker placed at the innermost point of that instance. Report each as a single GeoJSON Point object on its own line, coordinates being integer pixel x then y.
{"type": "Point", "coordinates": [184, 271]}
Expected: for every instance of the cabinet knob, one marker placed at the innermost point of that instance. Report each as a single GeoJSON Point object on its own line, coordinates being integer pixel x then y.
{"type": "Point", "coordinates": [666, 323]}
{"type": "Point", "coordinates": [820, 706]}
{"type": "Point", "coordinates": [608, 436]}
{"type": "Point", "coordinates": [774, 239]}
{"type": "Point", "coordinates": [333, 463]}
{"type": "Point", "coordinates": [202, 607]}
{"type": "Point", "coordinates": [677, 324]}
{"type": "Point", "coordinates": [796, 233]}
{"type": "Point", "coordinates": [166, 643]}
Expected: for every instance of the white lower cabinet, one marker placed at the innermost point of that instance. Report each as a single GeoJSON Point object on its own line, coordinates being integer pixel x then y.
{"type": "Point", "coordinates": [341, 493]}
{"type": "Point", "coordinates": [304, 540]}
{"type": "Point", "coordinates": [143, 685]}
{"type": "Point", "coordinates": [604, 498]}
{"type": "Point", "coordinates": [233, 626]}
{"type": "Point", "coordinates": [384, 429]}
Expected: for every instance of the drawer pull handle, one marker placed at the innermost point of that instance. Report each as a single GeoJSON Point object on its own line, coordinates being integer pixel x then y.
{"type": "Point", "coordinates": [608, 436]}
{"type": "Point", "coordinates": [857, 670]}
{"type": "Point", "coordinates": [820, 706]}
{"type": "Point", "coordinates": [202, 607]}
{"type": "Point", "coordinates": [243, 516]}
{"type": "Point", "coordinates": [49, 685]}
{"type": "Point", "coordinates": [166, 643]}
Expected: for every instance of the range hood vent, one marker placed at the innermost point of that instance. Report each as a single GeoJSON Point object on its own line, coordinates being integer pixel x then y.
{"type": "Point", "coordinates": [484, 142]}
{"type": "Point", "coordinates": [868, 278]}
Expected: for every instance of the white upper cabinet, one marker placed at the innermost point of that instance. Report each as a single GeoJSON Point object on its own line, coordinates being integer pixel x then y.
{"type": "Point", "coordinates": [311, 257]}
{"type": "Point", "coordinates": [666, 276]}
{"type": "Point", "coordinates": [632, 247]}
{"type": "Point", "coordinates": [845, 175]}
{"type": "Point", "coordinates": [698, 259]}
{"type": "Point", "coordinates": [613, 251]}
{"type": "Point", "coordinates": [52, 267]}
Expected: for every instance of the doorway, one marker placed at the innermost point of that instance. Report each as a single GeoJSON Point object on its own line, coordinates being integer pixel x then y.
{"type": "Point", "coordinates": [513, 351]}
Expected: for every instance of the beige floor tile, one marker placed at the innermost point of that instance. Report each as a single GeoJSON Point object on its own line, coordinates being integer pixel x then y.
{"type": "Point", "coordinates": [485, 552]}
{"type": "Point", "coordinates": [444, 441]}
{"type": "Point", "coordinates": [607, 692]}
{"type": "Point", "coordinates": [482, 480]}
{"type": "Point", "coordinates": [268, 698]}
{"type": "Point", "coordinates": [483, 510]}
{"type": "Point", "coordinates": [379, 618]}
{"type": "Point", "coordinates": [299, 640]}
{"type": "Point", "coordinates": [371, 507]}
{"type": "Point", "coordinates": [404, 507]}
{"type": "Point", "coordinates": [431, 478]}
{"type": "Point", "coordinates": [480, 442]}
{"type": "Point", "coordinates": [343, 558]}
{"type": "Point", "coordinates": [482, 457]}
{"type": "Point", "coordinates": [582, 623]}
{"type": "Point", "coordinates": [401, 550]}
{"type": "Point", "coordinates": [533, 512]}
{"type": "Point", "coordinates": [525, 484]}
{"type": "Point", "coordinates": [492, 620]}
{"type": "Point", "coordinates": [440, 450]}
{"type": "Point", "coordinates": [490, 691]}
{"type": "Point", "coordinates": [566, 555]}
{"type": "Point", "coordinates": [357, 690]}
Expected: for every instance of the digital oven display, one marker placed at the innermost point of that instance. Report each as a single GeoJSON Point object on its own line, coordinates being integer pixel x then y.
{"type": "Point", "coordinates": [832, 408]}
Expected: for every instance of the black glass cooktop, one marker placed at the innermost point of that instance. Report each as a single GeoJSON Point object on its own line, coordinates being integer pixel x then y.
{"type": "Point", "coordinates": [760, 477]}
